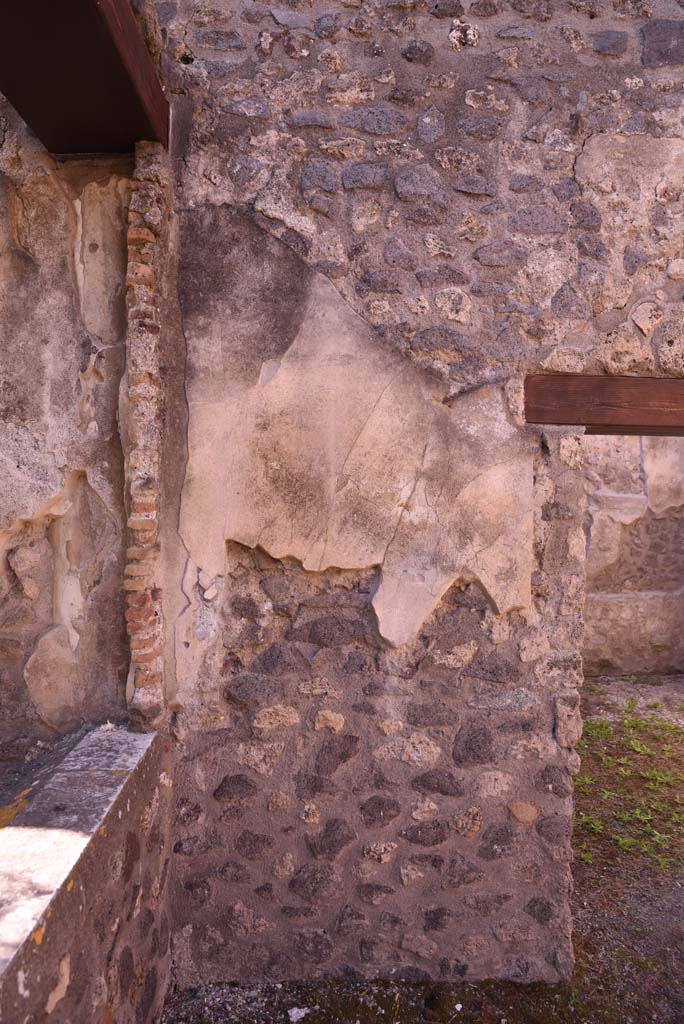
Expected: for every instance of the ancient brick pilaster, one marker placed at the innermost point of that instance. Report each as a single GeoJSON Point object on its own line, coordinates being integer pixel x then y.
{"type": "Point", "coordinates": [141, 424]}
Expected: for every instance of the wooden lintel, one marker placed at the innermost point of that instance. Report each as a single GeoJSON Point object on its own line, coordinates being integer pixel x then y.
{"type": "Point", "coordinates": [80, 74]}
{"type": "Point", "coordinates": [607, 405]}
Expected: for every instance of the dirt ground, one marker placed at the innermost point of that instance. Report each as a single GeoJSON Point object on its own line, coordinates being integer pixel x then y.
{"type": "Point", "coordinates": [628, 900]}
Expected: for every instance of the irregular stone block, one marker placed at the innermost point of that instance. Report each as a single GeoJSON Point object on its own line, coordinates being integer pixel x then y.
{"type": "Point", "coordinates": [379, 810]}
{"type": "Point", "coordinates": [662, 43]}
{"type": "Point", "coordinates": [610, 43]}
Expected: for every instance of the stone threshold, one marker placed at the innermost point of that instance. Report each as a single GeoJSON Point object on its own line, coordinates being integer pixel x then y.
{"type": "Point", "coordinates": [50, 826]}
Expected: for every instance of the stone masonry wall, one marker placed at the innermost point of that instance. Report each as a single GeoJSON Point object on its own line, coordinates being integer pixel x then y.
{"type": "Point", "coordinates": [388, 213]}
{"type": "Point", "coordinates": [63, 652]}
{"type": "Point", "coordinates": [635, 570]}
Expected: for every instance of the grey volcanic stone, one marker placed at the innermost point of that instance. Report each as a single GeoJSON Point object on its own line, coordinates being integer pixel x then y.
{"type": "Point", "coordinates": [430, 125]}
{"type": "Point", "coordinates": [554, 829]}
{"type": "Point", "coordinates": [566, 189]}
{"type": "Point", "coordinates": [420, 182]}
{"type": "Point", "coordinates": [235, 787]}
{"type": "Point", "coordinates": [365, 174]}
{"type": "Point", "coordinates": [538, 220]}
{"type": "Point", "coordinates": [438, 781]}
{"type": "Point", "coordinates": [474, 184]}
{"type": "Point", "coordinates": [481, 127]}
{"type": "Point", "coordinates": [309, 785]}
{"type": "Point", "coordinates": [330, 631]}
{"type": "Point", "coordinates": [314, 946]}
{"type": "Point", "coordinates": [397, 254]}
{"type": "Point", "coordinates": [593, 247]}
{"type": "Point", "coordinates": [437, 919]}
{"type": "Point", "coordinates": [586, 216]}
{"type": "Point", "coordinates": [349, 920]}
{"type": "Point", "coordinates": [443, 273]}
{"type": "Point", "coordinates": [567, 303]}
{"type": "Point", "coordinates": [243, 168]}
{"type": "Point", "coordinates": [501, 254]}
{"type": "Point", "coordinates": [322, 174]}
{"type": "Point", "coordinates": [233, 871]}
{"type": "Point", "coordinates": [379, 810]}
{"type": "Point", "coordinates": [281, 658]}
{"type": "Point", "coordinates": [430, 713]}
{"type": "Point", "coordinates": [418, 51]}
{"type": "Point", "coordinates": [556, 780]}
{"type": "Point", "coordinates": [662, 43]}
{"type": "Point", "coordinates": [297, 913]}
{"type": "Point", "coordinates": [540, 909]}
{"type": "Point", "coordinates": [525, 183]}
{"type": "Point", "coordinates": [314, 881]}
{"type": "Point", "coordinates": [428, 833]}
{"type": "Point", "coordinates": [440, 338]}
{"type": "Point", "coordinates": [220, 39]}
{"type": "Point", "coordinates": [497, 841]}
{"type": "Point", "coordinates": [332, 839]}
{"type": "Point", "coordinates": [610, 44]}
{"type": "Point", "coordinates": [373, 893]}
{"type": "Point", "coordinates": [328, 25]}
{"type": "Point", "coordinates": [376, 120]}
{"type": "Point", "coordinates": [383, 281]}
{"type": "Point", "coordinates": [253, 845]}
{"type": "Point", "coordinates": [462, 872]}
{"type": "Point", "coordinates": [447, 9]}
{"type": "Point", "coordinates": [474, 744]}
{"type": "Point", "coordinates": [310, 119]}
{"type": "Point", "coordinates": [336, 751]}
{"type": "Point", "coordinates": [251, 107]}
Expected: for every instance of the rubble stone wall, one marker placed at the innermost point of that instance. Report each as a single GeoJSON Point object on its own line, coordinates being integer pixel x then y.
{"type": "Point", "coordinates": [388, 214]}
{"type": "Point", "coordinates": [634, 614]}
{"type": "Point", "coordinates": [63, 651]}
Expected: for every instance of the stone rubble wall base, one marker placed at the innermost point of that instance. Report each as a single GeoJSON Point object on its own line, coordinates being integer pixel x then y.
{"type": "Point", "coordinates": [84, 872]}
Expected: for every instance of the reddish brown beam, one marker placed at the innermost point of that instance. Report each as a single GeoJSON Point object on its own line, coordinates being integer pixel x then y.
{"type": "Point", "coordinates": [607, 405]}
{"type": "Point", "coordinates": [80, 75]}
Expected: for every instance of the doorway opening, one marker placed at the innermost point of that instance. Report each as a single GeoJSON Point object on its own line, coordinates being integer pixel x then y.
{"type": "Point", "coordinates": [628, 834]}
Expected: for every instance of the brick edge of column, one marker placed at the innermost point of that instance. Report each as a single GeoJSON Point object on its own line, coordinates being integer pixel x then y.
{"type": "Point", "coordinates": [141, 421]}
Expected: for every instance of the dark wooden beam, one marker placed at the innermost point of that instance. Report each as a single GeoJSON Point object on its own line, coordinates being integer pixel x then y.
{"type": "Point", "coordinates": [607, 405]}
{"type": "Point", "coordinates": [80, 75]}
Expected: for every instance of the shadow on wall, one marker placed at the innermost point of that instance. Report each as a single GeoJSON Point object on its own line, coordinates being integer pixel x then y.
{"type": "Point", "coordinates": [635, 566]}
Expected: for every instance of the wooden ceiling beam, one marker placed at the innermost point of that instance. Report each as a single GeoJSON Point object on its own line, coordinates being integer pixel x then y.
{"type": "Point", "coordinates": [607, 405]}
{"type": "Point", "coordinates": [80, 74]}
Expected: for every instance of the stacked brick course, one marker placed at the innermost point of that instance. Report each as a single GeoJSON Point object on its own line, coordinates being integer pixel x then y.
{"type": "Point", "coordinates": [141, 425]}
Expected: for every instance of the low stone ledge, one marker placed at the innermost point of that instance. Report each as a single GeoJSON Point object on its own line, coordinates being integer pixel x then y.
{"type": "Point", "coordinates": [83, 927]}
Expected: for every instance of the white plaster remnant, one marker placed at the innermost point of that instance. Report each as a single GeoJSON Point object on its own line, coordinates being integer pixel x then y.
{"type": "Point", "coordinates": [60, 989]}
{"type": "Point", "coordinates": [345, 455]}
{"type": "Point", "coordinates": [52, 678]}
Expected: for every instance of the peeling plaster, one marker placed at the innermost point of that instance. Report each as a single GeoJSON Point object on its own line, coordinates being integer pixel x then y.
{"type": "Point", "coordinates": [337, 452]}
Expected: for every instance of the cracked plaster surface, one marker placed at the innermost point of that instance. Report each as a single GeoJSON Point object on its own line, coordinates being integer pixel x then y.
{"type": "Point", "coordinates": [62, 277]}
{"type": "Point", "coordinates": [311, 440]}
